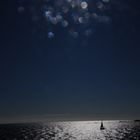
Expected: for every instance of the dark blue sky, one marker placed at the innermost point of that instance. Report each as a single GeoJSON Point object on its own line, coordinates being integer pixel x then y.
{"type": "Point", "coordinates": [98, 74]}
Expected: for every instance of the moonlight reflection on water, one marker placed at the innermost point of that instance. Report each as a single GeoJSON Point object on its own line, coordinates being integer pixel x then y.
{"type": "Point", "coordinates": [78, 130]}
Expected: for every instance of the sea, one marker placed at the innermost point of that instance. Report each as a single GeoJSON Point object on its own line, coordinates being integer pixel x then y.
{"type": "Point", "coordinates": [72, 130]}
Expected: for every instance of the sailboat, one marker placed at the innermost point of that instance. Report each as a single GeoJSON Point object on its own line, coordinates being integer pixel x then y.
{"type": "Point", "coordinates": [102, 126]}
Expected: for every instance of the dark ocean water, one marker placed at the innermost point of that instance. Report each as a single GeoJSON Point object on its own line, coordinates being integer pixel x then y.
{"type": "Point", "coordinates": [78, 130]}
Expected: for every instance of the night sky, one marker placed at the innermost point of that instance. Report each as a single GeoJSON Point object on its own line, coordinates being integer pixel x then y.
{"type": "Point", "coordinates": [87, 69]}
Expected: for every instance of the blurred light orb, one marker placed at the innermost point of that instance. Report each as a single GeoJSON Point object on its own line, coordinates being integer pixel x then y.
{"type": "Point", "coordinates": [48, 14]}
{"type": "Point", "coordinates": [20, 9]}
{"type": "Point", "coordinates": [59, 17]}
{"type": "Point", "coordinates": [54, 20]}
{"type": "Point", "coordinates": [105, 0]}
{"type": "Point", "coordinates": [50, 35]}
{"type": "Point", "coordinates": [84, 5]}
{"type": "Point", "coordinates": [65, 23]}
{"type": "Point", "coordinates": [88, 32]}
{"type": "Point", "coordinates": [74, 34]}
{"type": "Point", "coordinates": [69, 0]}
{"type": "Point", "coordinates": [81, 20]}
{"type": "Point", "coordinates": [69, 15]}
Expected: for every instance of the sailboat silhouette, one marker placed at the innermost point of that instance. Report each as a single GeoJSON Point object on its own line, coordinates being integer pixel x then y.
{"type": "Point", "coordinates": [102, 126]}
